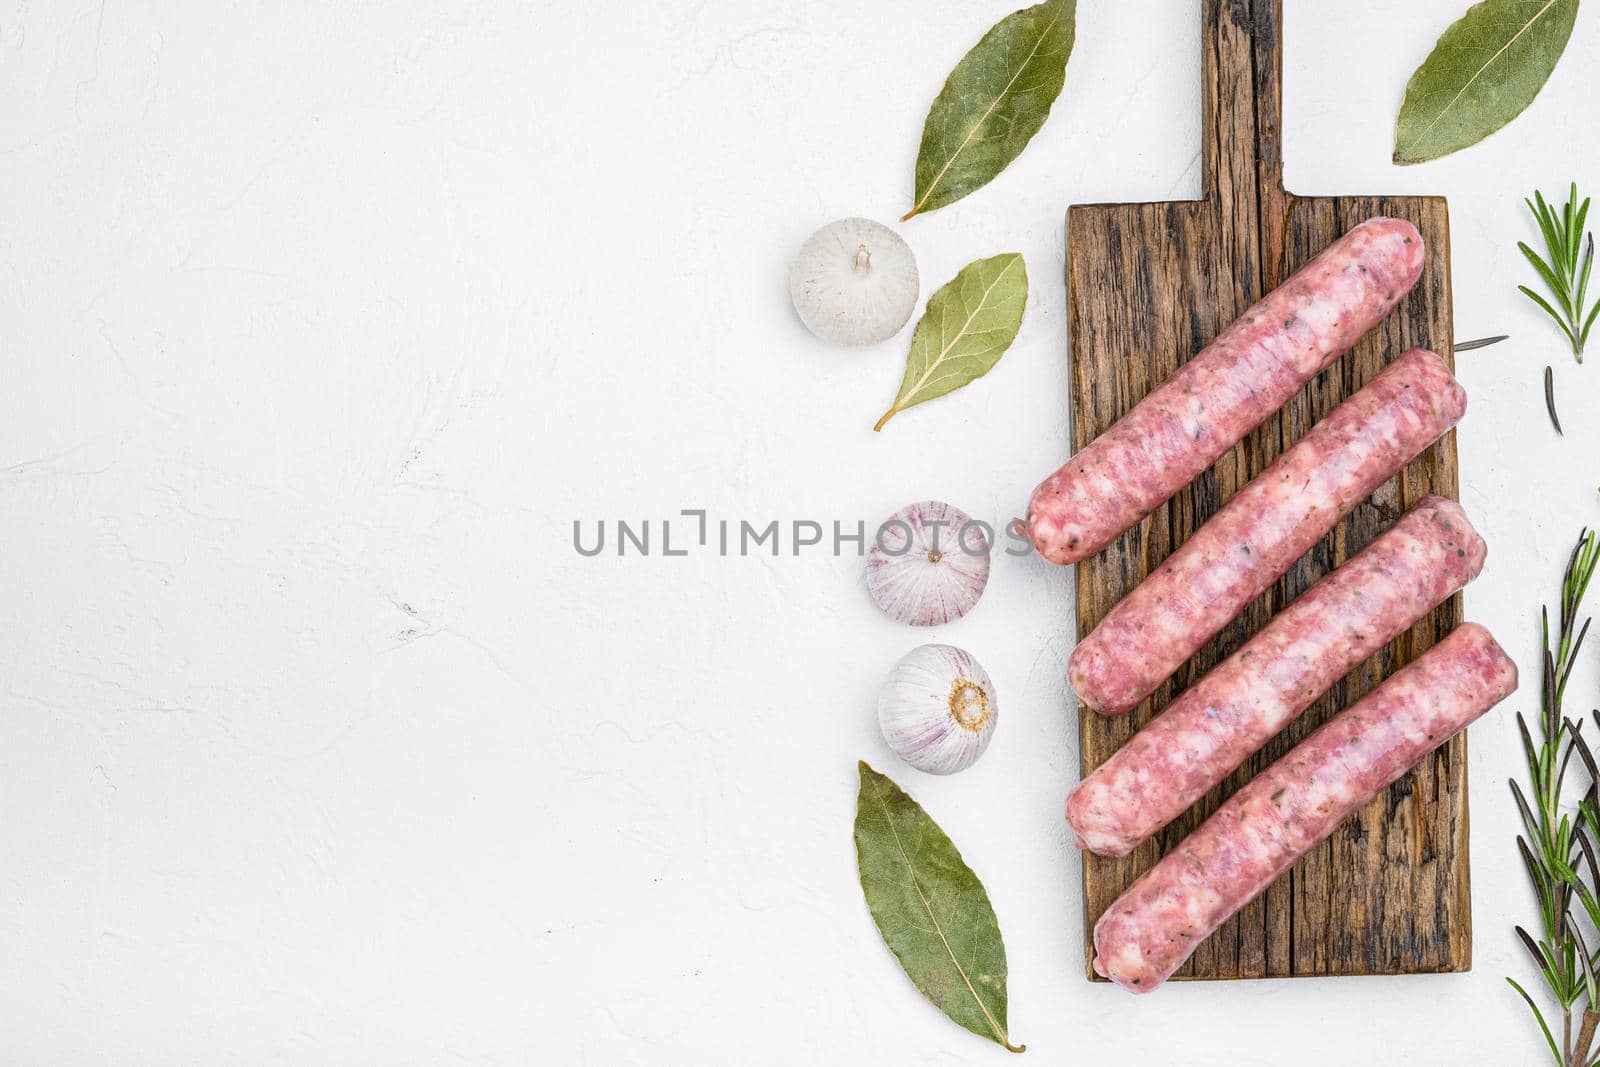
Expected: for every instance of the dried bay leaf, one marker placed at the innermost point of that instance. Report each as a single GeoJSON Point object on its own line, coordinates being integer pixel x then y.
{"type": "Point", "coordinates": [993, 103]}
{"type": "Point", "coordinates": [968, 325]}
{"type": "Point", "coordinates": [1483, 72]}
{"type": "Point", "coordinates": [932, 911]}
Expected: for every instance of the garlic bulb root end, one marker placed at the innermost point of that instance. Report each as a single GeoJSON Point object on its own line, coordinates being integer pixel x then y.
{"type": "Point", "coordinates": [937, 709]}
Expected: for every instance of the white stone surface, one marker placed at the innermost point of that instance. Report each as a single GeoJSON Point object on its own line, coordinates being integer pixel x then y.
{"type": "Point", "coordinates": [321, 325]}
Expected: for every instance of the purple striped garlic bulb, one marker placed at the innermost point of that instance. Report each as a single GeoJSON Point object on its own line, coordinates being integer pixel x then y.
{"type": "Point", "coordinates": [937, 709]}
{"type": "Point", "coordinates": [928, 563]}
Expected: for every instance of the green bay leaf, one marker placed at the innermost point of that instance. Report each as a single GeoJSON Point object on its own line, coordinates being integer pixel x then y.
{"type": "Point", "coordinates": [967, 327]}
{"type": "Point", "coordinates": [1483, 72]}
{"type": "Point", "coordinates": [932, 911]}
{"type": "Point", "coordinates": [993, 103]}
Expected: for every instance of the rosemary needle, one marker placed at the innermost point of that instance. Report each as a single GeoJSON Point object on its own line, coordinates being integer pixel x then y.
{"type": "Point", "coordinates": [1550, 398]}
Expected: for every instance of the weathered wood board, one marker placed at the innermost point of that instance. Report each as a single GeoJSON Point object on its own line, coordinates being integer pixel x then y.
{"type": "Point", "coordinates": [1148, 286]}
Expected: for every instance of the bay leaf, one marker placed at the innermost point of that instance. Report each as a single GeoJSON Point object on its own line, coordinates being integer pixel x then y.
{"type": "Point", "coordinates": [1483, 72]}
{"type": "Point", "coordinates": [932, 911]}
{"type": "Point", "coordinates": [968, 325]}
{"type": "Point", "coordinates": [993, 103]}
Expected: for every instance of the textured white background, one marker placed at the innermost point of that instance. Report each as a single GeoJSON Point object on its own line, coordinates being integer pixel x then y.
{"type": "Point", "coordinates": [322, 323]}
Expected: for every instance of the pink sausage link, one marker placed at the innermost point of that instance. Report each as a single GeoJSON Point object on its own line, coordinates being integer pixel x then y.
{"type": "Point", "coordinates": [1230, 387]}
{"type": "Point", "coordinates": [1258, 535]}
{"type": "Point", "coordinates": [1223, 719]}
{"type": "Point", "coordinates": [1264, 828]}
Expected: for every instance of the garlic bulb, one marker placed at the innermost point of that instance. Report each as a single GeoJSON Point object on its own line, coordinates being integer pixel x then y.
{"type": "Point", "coordinates": [854, 282]}
{"type": "Point", "coordinates": [937, 709]}
{"type": "Point", "coordinates": [928, 563]}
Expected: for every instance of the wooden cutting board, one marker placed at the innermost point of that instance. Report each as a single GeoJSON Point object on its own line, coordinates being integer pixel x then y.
{"type": "Point", "coordinates": [1148, 286]}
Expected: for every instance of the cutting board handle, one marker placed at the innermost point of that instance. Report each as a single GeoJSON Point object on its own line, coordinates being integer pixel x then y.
{"type": "Point", "coordinates": [1242, 60]}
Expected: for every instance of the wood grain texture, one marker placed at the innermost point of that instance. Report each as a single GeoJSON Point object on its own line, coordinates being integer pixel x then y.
{"type": "Point", "coordinates": [1148, 286]}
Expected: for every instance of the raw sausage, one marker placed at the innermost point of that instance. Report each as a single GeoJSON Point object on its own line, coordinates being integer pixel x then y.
{"type": "Point", "coordinates": [1261, 831]}
{"type": "Point", "coordinates": [1230, 713]}
{"type": "Point", "coordinates": [1230, 387]}
{"type": "Point", "coordinates": [1257, 536]}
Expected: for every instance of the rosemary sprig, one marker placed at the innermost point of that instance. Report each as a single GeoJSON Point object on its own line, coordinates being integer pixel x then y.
{"type": "Point", "coordinates": [1565, 273]}
{"type": "Point", "coordinates": [1558, 847]}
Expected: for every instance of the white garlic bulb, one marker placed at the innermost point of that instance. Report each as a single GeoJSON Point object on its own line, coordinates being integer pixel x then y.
{"type": "Point", "coordinates": [854, 282]}
{"type": "Point", "coordinates": [937, 709]}
{"type": "Point", "coordinates": [928, 564]}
